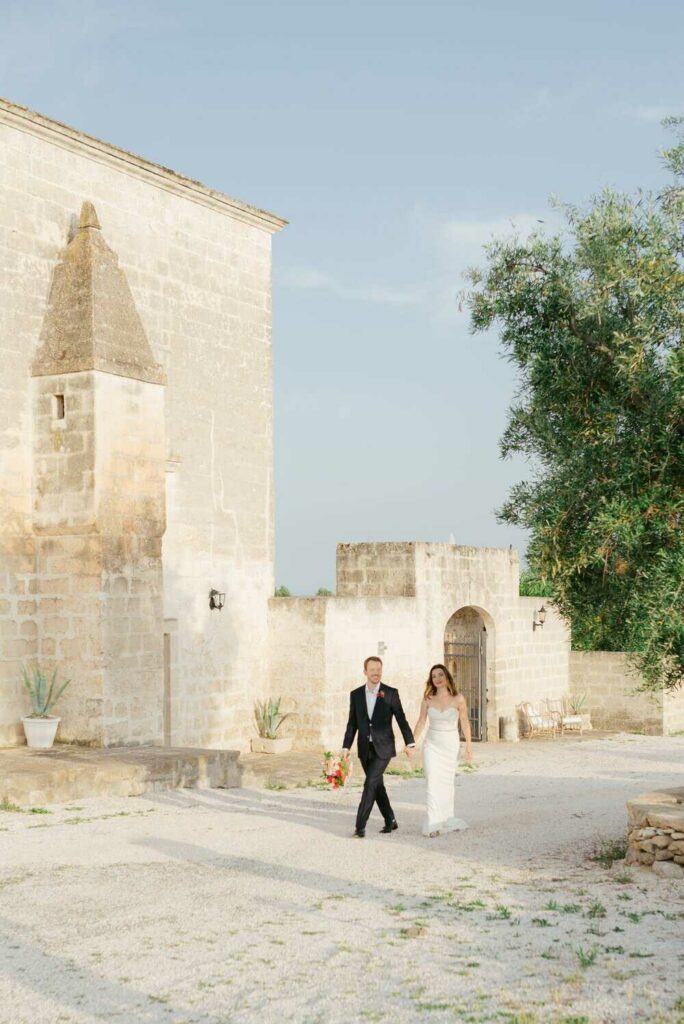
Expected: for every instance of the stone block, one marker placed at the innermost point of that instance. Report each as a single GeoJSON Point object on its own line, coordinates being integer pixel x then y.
{"type": "Point", "coordinates": [668, 869]}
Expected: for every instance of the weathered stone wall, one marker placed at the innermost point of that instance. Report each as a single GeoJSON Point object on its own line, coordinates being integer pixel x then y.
{"type": "Point", "coordinates": [371, 617]}
{"type": "Point", "coordinates": [673, 712]}
{"type": "Point", "coordinates": [318, 647]}
{"type": "Point", "coordinates": [297, 648]}
{"type": "Point", "coordinates": [522, 663]}
{"type": "Point", "coordinates": [541, 662]}
{"type": "Point", "coordinates": [613, 700]}
{"type": "Point", "coordinates": [18, 631]}
{"type": "Point", "coordinates": [98, 515]}
{"type": "Point", "coordinates": [656, 832]}
{"type": "Point", "coordinates": [198, 265]}
{"type": "Point", "coordinates": [355, 627]}
{"type": "Point", "coordinates": [376, 570]}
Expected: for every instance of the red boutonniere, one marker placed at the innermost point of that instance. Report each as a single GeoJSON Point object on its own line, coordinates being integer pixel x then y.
{"type": "Point", "coordinates": [381, 694]}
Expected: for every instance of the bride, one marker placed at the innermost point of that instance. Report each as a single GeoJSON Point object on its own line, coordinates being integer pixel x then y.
{"type": "Point", "coordinates": [442, 708]}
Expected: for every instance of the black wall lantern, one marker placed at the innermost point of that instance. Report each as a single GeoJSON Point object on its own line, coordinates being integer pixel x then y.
{"type": "Point", "coordinates": [216, 600]}
{"type": "Point", "coordinates": [539, 618]}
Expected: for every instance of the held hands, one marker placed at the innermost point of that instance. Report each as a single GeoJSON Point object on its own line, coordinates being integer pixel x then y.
{"type": "Point", "coordinates": [410, 751]}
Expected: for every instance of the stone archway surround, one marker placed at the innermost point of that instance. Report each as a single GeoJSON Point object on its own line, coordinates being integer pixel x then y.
{"type": "Point", "coordinates": [470, 626]}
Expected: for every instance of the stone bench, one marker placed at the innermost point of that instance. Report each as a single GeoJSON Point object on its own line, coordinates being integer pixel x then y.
{"type": "Point", "coordinates": [656, 831]}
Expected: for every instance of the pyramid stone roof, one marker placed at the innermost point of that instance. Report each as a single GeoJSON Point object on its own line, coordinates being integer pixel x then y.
{"type": "Point", "coordinates": [91, 322]}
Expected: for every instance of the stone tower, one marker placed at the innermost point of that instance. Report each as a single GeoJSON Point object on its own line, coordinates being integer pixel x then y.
{"type": "Point", "coordinates": [98, 498]}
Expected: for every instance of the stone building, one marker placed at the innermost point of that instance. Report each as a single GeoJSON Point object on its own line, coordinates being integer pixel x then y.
{"type": "Point", "coordinates": [136, 478]}
{"type": "Point", "coordinates": [417, 604]}
{"type": "Point", "coordinates": [135, 441]}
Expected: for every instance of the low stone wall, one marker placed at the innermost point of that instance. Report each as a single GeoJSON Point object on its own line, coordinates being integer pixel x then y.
{"type": "Point", "coordinates": [614, 700]}
{"type": "Point", "coordinates": [656, 831]}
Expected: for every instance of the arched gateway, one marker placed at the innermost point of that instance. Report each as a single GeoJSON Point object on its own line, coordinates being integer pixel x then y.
{"type": "Point", "coordinates": [465, 655]}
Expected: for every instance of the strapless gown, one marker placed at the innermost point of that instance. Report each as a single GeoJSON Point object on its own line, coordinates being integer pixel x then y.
{"type": "Point", "coordinates": [440, 758]}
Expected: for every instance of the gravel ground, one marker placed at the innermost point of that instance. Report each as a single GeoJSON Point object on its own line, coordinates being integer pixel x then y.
{"type": "Point", "coordinates": [244, 905]}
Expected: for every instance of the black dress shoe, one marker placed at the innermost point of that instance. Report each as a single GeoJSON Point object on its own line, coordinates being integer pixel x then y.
{"type": "Point", "coordinates": [390, 826]}
{"type": "Point", "coordinates": [359, 833]}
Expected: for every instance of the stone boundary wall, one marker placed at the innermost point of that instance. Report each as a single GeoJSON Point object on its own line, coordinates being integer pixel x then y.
{"type": "Point", "coordinates": [656, 832]}
{"type": "Point", "coordinates": [612, 699]}
{"type": "Point", "coordinates": [376, 570]}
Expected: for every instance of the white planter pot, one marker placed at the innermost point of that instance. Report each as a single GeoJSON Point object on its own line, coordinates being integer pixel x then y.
{"type": "Point", "coordinates": [40, 732]}
{"type": "Point", "coordinates": [264, 746]}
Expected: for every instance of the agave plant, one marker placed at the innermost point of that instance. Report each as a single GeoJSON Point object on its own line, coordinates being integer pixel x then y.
{"type": "Point", "coordinates": [43, 695]}
{"type": "Point", "coordinates": [269, 717]}
{"type": "Point", "coordinates": [576, 703]}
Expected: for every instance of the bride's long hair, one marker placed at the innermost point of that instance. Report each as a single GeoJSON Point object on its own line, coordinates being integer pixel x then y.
{"type": "Point", "coordinates": [431, 689]}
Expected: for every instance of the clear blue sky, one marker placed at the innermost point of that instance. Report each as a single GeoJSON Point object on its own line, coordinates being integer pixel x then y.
{"type": "Point", "coordinates": [396, 138]}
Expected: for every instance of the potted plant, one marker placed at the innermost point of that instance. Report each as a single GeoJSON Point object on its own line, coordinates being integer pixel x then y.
{"type": "Point", "coordinates": [40, 726]}
{"type": "Point", "coordinates": [576, 705]}
{"type": "Point", "coordinates": [269, 718]}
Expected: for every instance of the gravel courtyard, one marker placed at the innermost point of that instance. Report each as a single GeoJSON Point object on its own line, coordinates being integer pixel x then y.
{"type": "Point", "coordinates": [257, 905]}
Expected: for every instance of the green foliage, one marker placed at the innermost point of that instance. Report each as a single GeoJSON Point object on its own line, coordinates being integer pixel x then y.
{"type": "Point", "coordinates": [608, 851]}
{"type": "Point", "coordinates": [593, 319]}
{"type": "Point", "coordinates": [269, 717]}
{"type": "Point", "coordinates": [9, 805]}
{"type": "Point", "coordinates": [282, 592]}
{"type": "Point", "coordinates": [532, 585]}
{"type": "Point", "coordinates": [586, 957]}
{"type": "Point", "coordinates": [324, 592]}
{"type": "Point", "coordinates": [43, 696]}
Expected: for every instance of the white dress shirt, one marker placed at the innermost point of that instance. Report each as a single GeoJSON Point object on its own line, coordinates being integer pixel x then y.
{"type": "Point", "coordinates": [371, 697]}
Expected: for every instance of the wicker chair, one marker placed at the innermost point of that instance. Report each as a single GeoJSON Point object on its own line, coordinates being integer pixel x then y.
{"type": "Point", "coordinates": [566, 721]}
{"type": "Point", "coordinates": [535, 722]}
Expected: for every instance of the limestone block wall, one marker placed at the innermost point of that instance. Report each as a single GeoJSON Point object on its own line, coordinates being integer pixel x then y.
{"type": "Point", "coordinates": [613, 700]}
{"type": "Point", "coordinates": [198, 265]}
{"type": "Point", "coordinates": [19, 590]}
{"type": "Point", "coordinates": [673, 712]}
{"type": "Point", "coordinates": [446, 578]}
{"type": "Point", "coordinates": [354, 629]}
{"type": "Point", "coordinates": [318, 646]}
{"type": "Point", "coordinates": [297, 648]}
{"type": "Point", "coordinates": [541, 663]}
{"type": "Point", "coordinates": [452, 577]}
{"type": "Point", "coordinates": [376, 570]}
{"type": "Point", "coordinates": [98, 515]}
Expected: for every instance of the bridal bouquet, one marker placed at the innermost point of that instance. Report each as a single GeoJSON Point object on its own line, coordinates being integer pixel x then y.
{"type": "Point", "coordinates": [336, 770]}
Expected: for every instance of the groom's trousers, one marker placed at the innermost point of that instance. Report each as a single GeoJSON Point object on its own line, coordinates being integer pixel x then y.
{"type": "Point", "coordinates": [374, 789]}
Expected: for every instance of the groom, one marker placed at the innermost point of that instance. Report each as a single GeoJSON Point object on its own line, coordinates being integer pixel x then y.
{"type": "Point", "coordinates": [371, 708]}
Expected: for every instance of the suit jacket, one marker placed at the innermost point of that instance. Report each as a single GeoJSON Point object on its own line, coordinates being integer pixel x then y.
{"type": "Point", "coordinates": [379, 727]}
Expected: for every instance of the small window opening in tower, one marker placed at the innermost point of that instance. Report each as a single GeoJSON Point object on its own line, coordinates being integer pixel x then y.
{"type": "Point", "coordinates": [58, 408]}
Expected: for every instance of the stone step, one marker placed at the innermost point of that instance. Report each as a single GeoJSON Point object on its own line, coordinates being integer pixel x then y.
{"type": "Point", "coordinates": [34, 778]}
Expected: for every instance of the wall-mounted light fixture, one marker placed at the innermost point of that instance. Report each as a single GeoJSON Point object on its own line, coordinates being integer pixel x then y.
{"type": "Point", "coordinates": [216, 600]}
{"type": "Point", "coordinates": [539, 618]}
{"type": "Point", "coordinates": [382, 647]}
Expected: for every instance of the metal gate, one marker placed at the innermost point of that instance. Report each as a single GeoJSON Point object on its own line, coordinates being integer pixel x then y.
{"type": "Point", "coordinates": [466, 662]}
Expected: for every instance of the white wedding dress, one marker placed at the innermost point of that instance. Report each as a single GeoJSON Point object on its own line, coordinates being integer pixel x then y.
{"type": "Point", "coordinates": [440, 758]}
